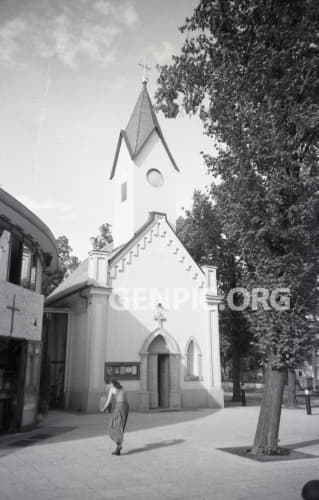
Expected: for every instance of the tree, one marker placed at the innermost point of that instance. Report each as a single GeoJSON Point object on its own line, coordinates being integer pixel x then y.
{"type": "Point", "coordinates": [202, 234]}
{"type": "Point", "coordinates": [66, 264]}
{"type": "Point", "coordinates": [103, 238]}
{"type": "Point", "coordinates": [251, 70]}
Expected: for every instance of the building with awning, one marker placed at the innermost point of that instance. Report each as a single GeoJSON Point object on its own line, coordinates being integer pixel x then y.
{"type": "Point", "coordinates": [27, 247]}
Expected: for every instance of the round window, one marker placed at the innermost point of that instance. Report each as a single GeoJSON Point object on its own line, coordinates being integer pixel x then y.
{"type": "Point", "coordinates": [155, 177]}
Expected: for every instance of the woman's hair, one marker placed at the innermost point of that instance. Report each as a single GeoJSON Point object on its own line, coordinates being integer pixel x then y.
{"type": "Point", "coordinates": [310, 491]}
{"type": "Point", "coordinates": [116, 383]}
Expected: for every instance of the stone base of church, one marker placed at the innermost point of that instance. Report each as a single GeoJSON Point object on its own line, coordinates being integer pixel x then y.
{"type": "Point", "coordinates": [195, 398]}
{"type": "Point", "coordinates": [202, 398]}
{"type": "Point", "coordinates": [175, 399]}
{"type": "Point", "coordinates": [84, 402]}
{"type": "Point", "coordinates": [73, 400]}
{"type": "Point", "coordinates": [140, 400]}
{"type": "Point", "coordinates": [143, 401]}
{"type": "Point", "coordinates": [93, 402]}
{"type": "Point", "coordinates": [216, 398]}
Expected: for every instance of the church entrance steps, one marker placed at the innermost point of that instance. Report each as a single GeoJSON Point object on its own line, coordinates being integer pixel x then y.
{"type": "Point", "coordinates": [163, 410]}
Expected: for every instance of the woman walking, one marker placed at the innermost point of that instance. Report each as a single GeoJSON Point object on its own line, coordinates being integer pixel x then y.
{"type": "Point", "coordinates": [119, 414]}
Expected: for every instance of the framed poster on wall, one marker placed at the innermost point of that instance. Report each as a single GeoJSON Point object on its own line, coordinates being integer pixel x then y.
{"type": "Point", "coordinates": [122, 370]}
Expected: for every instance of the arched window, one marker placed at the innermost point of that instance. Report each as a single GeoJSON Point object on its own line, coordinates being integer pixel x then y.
{"type": "Point", "coordinates": [190, 358]}
{"type": "Point", "coordinates": [193, 361]}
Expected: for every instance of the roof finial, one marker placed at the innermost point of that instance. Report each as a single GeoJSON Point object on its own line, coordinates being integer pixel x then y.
{"type": "Point", "coordinates": [145, 69]}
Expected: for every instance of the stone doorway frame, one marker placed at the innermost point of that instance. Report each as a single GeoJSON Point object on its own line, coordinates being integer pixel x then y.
{"type": "Point", "coordinates": [175, 357]}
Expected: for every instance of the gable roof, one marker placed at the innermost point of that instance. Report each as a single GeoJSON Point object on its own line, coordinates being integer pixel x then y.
{"type": "Point", "coordinates": [79, 279]}
{"type": "Point", "coordinates": [168, 231]}
{"type": "Point", "coordinates": [142, 123]}
{"type": "Point", "coordinates": [76, 280]}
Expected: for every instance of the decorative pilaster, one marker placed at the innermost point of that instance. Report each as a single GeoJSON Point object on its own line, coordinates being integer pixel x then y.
{"type": "Point", "coordinates": [212, 301]}
{"type": "Point", "coordinates": [143, 394]}
{"type": "Point", "coordinates": [175, 399]}
{"type": "Point", "coordinates": [98, 266]}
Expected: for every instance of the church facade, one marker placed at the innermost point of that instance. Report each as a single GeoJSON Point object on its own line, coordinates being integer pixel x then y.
{"type": "Point", "coordinates": [139, 310]}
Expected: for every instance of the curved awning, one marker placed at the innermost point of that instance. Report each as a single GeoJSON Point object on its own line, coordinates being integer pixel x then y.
{"type": "Point", "coordinates": [19, 216]}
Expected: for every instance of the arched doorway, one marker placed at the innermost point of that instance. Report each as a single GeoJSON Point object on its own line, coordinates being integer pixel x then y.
{"type": "Point", "coordinates": [162, 357]}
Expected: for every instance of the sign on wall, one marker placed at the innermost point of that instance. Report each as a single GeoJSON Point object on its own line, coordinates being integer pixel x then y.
{"type": "Point", "coordinates": [122, 371]}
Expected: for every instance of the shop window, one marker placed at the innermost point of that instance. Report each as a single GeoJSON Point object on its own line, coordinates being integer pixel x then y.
{"type": "Point", "coordinates": [33, 275]}
{"type": "Point", "coordinates": [28, 268]}
{"type": "Point", "coordinates": [4, 253]}
{"type": "Point", "coordinates": [15, 260]}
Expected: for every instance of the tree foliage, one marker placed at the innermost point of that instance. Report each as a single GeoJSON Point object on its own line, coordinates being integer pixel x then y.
{"type": "Point", "coordinates": [202, 234]}
{"type": "Point", "coordinates": [200, 230]}
{"type": "Point", "coordinates": [250, 69]}
{"type": "Point", "coordinates": [66, 264]}
{"type": "Point", "coordinates": [103, 238]}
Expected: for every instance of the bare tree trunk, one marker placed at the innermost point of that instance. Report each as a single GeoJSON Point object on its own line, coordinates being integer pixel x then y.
{"type": "Point", "coordinates": [292, 396]}
{"type": "Point", "coordinates": [236, 374]}
{"type": "Point", "coordinates": [266, 437]}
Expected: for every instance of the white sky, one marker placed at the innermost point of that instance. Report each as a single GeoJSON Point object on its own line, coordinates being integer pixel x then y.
{"type": "Point", "coordinates": [69, 79]}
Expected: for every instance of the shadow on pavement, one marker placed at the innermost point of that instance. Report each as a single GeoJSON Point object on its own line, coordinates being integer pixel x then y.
{"type": "Point", "coordinates": [62, 426]}
{"type": "Point", "coordinates": [253, 398]}
{"type": "Point", "coordinates": [154, 446]}
{"type": "Point", "coordinates": [302, 444]}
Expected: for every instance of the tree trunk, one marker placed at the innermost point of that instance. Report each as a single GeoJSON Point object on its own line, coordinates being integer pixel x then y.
{"type": "Point", "coordinates": [236, 373]}
{"type": "Point", "coordinates": [314, 367]}
{"type": "Point", "coordinates": [292, 396]}
{"type": "Point", "coordinates": [266, 437]}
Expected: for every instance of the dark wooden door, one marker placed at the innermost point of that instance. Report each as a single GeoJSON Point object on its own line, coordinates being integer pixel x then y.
{"type": "Point", "coordinates": [163, 380]}
{"type": "Point", "coordinates": [31, 383]}
{"type": "Point", "coordinates": [55, 327]}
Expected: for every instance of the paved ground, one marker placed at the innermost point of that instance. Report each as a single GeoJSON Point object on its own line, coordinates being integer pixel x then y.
{"type": "Point", "coordinates": [168, 455]}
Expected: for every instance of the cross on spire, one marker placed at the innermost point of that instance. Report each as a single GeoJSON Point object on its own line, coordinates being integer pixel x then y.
{"type": "Point", "coordinates": [145, 69]}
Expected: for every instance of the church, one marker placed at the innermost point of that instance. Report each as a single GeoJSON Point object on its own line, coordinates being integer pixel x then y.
{"type": "Point", "coordinates": [140, 310]}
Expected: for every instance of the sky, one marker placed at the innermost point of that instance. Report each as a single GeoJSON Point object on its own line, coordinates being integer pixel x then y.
{"type": "Point", "coordinates": [69, 79]}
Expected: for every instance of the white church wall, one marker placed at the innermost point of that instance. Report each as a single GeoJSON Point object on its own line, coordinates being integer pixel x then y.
{"type": "Point", "coordinates": [158, 268]}
{"type": "Point", "coordinates": [96, 348]}
{"type": "Point", "coordinates": [142, 198]}
{"type": "Point", "coordinates": [123, 212]}
{"type": "Point", "coordinates": [86, 349]}
{"type": "Point", "coordinates": [147, 197]}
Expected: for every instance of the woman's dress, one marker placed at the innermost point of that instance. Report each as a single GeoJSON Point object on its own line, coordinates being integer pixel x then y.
{"type": "Point", "coordinates": [119, 417]}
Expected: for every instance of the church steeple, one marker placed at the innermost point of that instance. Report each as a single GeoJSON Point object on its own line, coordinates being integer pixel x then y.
{"type": "Point", "coordinates": [142, 123]}
{"type": "Point", "coordinates": [143, 173]}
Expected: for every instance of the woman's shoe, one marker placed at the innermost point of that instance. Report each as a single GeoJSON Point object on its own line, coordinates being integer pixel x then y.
{"type": "Point", "coordinates": [117, 451]}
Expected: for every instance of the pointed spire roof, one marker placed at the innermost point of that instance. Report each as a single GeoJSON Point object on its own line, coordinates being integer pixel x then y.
{"type": "Point", "coordinates": [141, 125]}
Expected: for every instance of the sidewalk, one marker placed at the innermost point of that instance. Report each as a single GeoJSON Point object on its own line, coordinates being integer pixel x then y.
{"type": "Point", "coordinates": [167, 455]}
